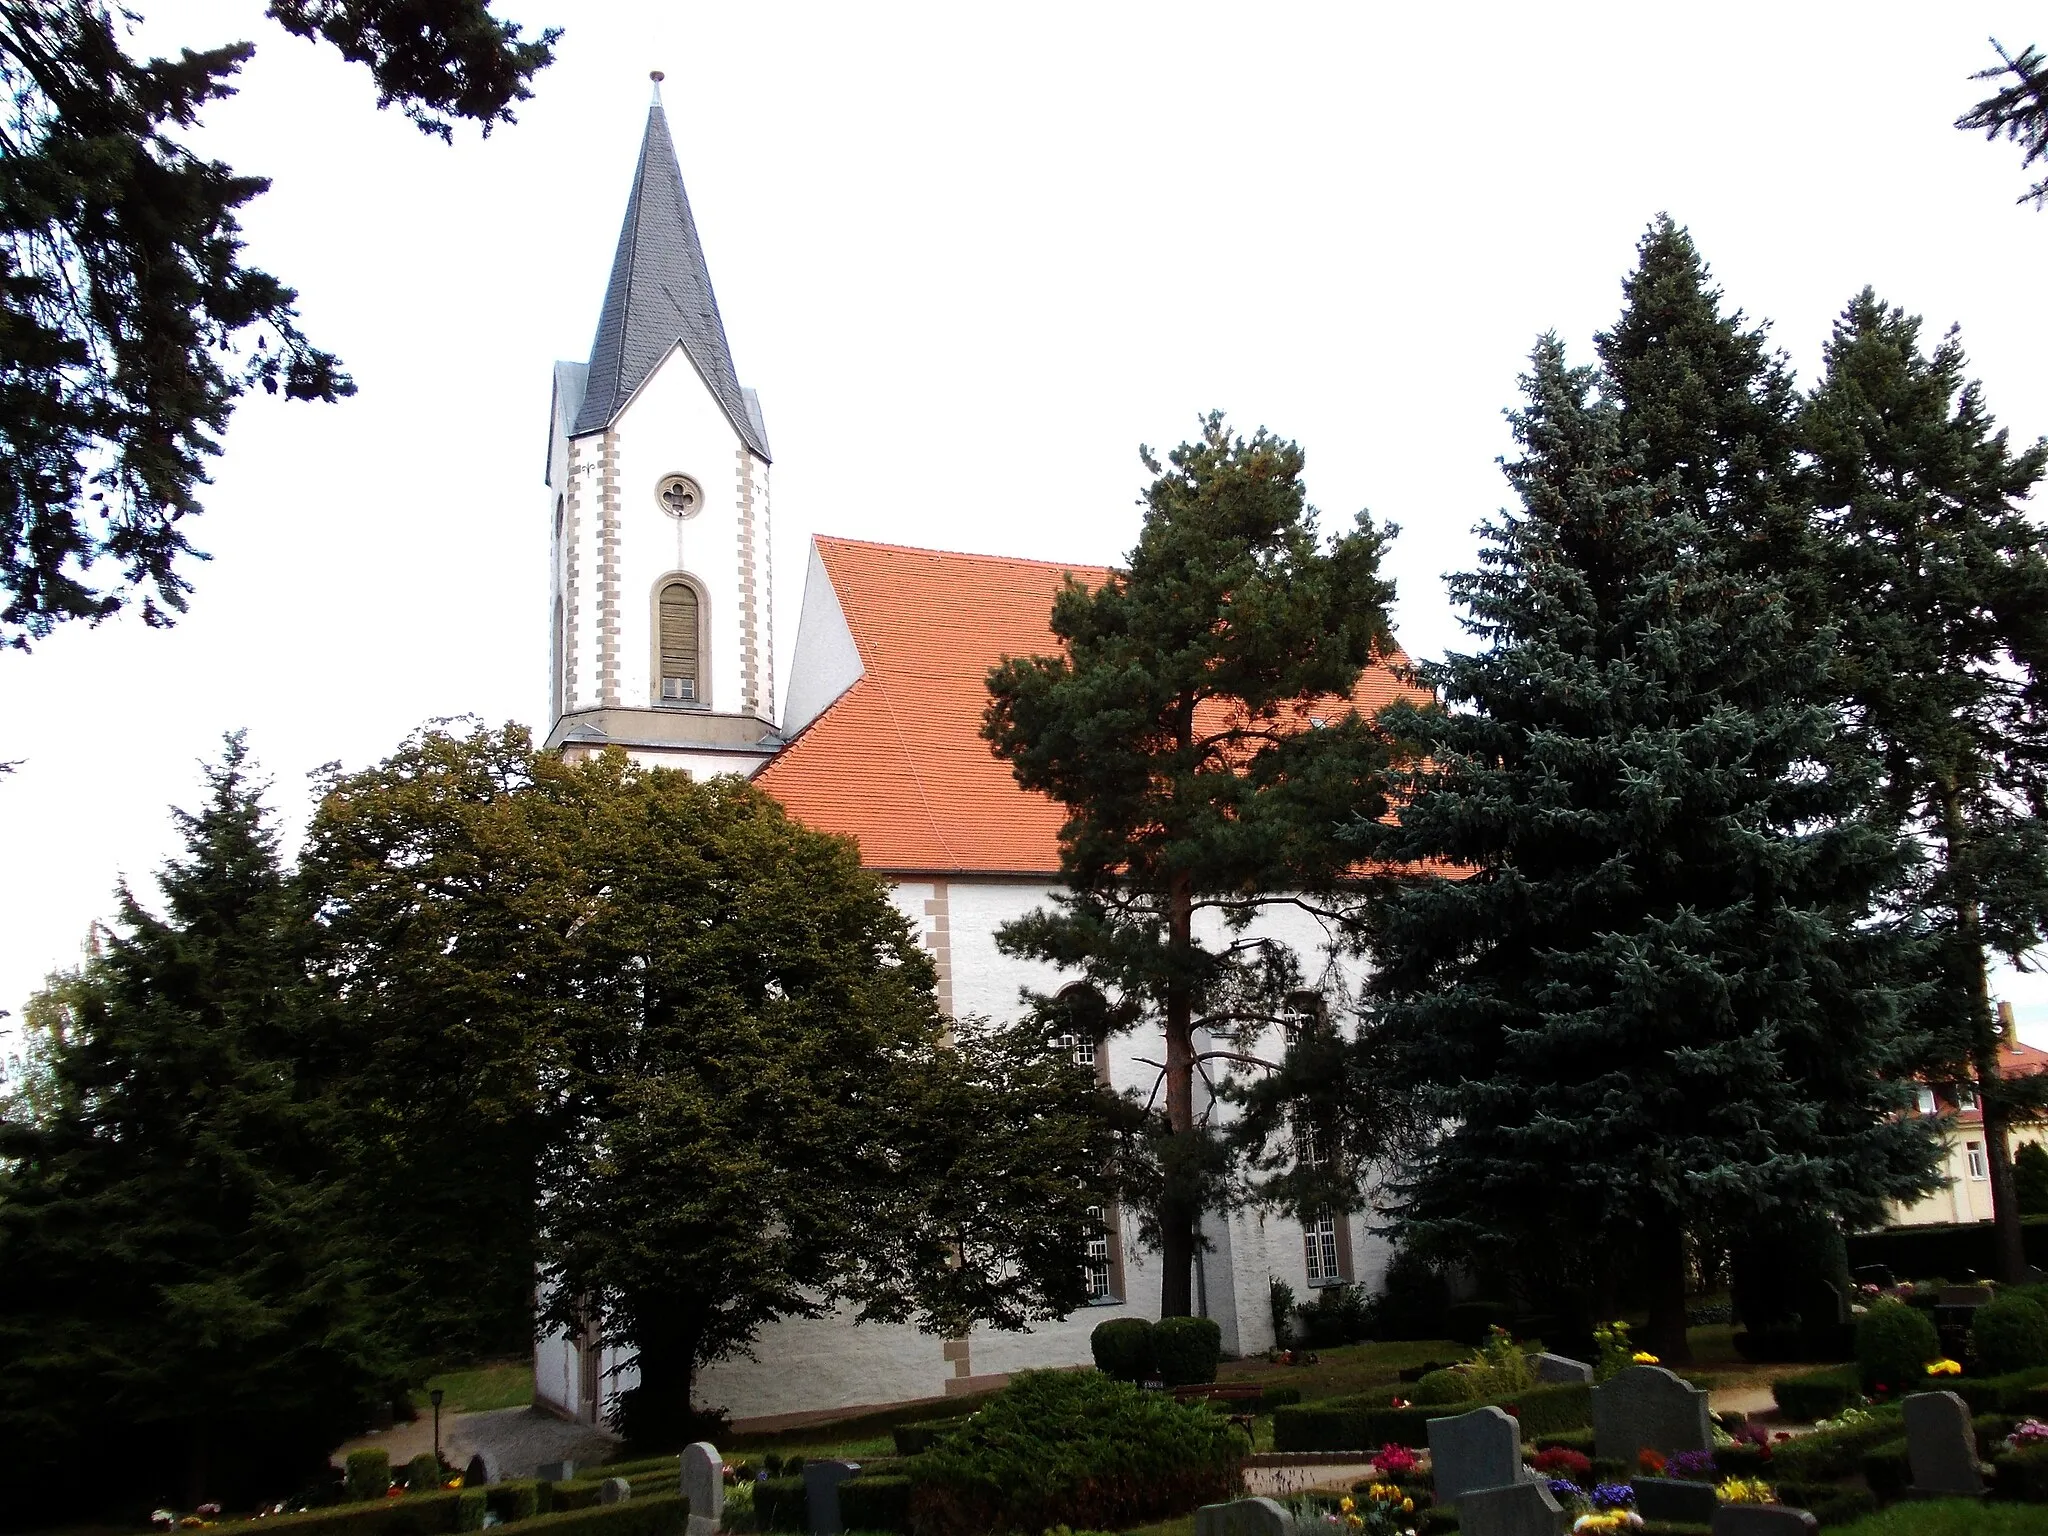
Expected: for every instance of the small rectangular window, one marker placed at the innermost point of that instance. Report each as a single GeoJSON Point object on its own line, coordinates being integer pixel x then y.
{"type": "Point", "coordinates": [1973, 1154]}
{"type": "Point", "coordinates": [1319, 1238]}
{"type": "Point", "coordinates": [1966, 1097]}
{"type": "Point", "coordinates": [1925, 1097]}
{"type": "Point", "coordinates": [1082, 1048]}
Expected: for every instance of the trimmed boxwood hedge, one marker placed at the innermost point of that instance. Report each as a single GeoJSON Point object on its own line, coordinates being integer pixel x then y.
{"type": "Point", "coordinates": [1816, 1394]}
{"type": "Point", "coordinates": [663, 1515]}
{"type": "Point", "coordinates": [413, 1514]}
{"type": "Point", "coordinates": [1831, 1453]}
{"type": "Point", "coordinates": [1366, 1423]}
{"type": "Point", "coordinates": [875, 1503]}
{"type": "Point", "coordinates": [780, 1504]}
{"type": "Point", "coordinates": [914, 1439]}
{"type": "Point", "coordinates": [2023, 1475]}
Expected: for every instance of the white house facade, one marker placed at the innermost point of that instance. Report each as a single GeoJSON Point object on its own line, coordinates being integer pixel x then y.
{"type": "Point", "coordinates": [661, 617]}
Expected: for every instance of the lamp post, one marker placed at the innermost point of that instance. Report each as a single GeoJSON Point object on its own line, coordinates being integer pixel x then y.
{"type": "Point", "coordinates": [434, 1397]}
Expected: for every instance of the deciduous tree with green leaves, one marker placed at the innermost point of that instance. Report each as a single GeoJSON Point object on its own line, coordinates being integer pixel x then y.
{"type": "Point", "coordinates": [180, 1311]}
{"type": "Point", "coordinates": [133, 323]}
{"type": "Point", "coordinates": [1665, 993]}
{"type": "Point", "coordinates": [1940, 580]}
{"type": "Point", "coordinates": [1196, 725]}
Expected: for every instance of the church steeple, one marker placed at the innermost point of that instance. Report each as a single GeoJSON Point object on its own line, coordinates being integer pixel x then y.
{"type": "Point", "coordinates": [659, 295]}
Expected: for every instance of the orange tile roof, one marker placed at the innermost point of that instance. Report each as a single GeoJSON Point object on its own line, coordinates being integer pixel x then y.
{"type": "Point", "coordinates": [898, 761]}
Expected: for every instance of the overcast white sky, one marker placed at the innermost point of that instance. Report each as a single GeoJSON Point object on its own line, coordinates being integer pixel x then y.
{"type": "Point", "coordinates": [971, 257]}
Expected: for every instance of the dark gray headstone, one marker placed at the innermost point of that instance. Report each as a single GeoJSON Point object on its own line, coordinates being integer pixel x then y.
{"type": "Point", "coordinates": [1763, 1520]}
{"type": "Point", "coordinates": [555, 1471]}
{"type": "Point", "coordinates": [1244, 1517]}
{"type": "Point", "coordinates": [615, 1490]}
{"type": "Point", "coordinates": [1480, 1449]}
{"type": "Point", "coordinates": [1520, 1509]}
{"type": "Point", "coordinates": [1649, 1408]}
{"type": "Point", "coordinates": [1553, 1368]}
{"type": "Point", "coordinates": [821, 1494]}
{"type": "Point", "coordinates": [1673, 1498]}
{"type": "Point", "coordinates": [703, 1487]}
{"type": "Point", "coordinates": [1940, 1446]}
{"type": "Point", "coordinates": [1963, 1296]}
{"type": "Point", "coordinates": [478, 1473]}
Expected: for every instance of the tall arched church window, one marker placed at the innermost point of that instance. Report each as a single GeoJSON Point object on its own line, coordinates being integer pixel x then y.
{"type": "Point", "coordinates": [557, 647]}
{"type": "Point", "coordinates": [680, 618]}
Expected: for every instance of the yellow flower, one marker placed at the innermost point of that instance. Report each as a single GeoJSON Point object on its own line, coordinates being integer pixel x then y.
{"type": "Point", "coordinates": [1944, 1368]}
{"type": "Point", "coordinates": [1407, 1506]}
{"type": "Point", "coordinates": [1644, 1357]}
{"type": "Point", "coordinates": [1345, 1504]}
{"type": "Point", "coordinates": [1356, 1522]}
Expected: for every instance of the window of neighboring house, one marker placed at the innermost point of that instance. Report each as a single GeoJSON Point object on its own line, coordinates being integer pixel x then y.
{"type": "Point", "coordinates": [1973, 1154]}
{"type": "Point", "coordinates": [1083, 1048]}
{"type": "Point", "coordinates": [680, 617]}
{"type": "Point", "coordinates": [1966, 1097]}
{"type": "Point", "coordinates": [1925, 1097]}
{"type": "Point", "coordinates": [1304, 1011]}
{"type": "Point", "coordinates": [1319, 1238]}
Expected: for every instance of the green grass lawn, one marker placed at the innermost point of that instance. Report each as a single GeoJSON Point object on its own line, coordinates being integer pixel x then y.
{"type": "Point", "coordinates": [1342, 1371]}
{"type": "Point", "coordinates": [1953, 1517]}
{"type": "Point", "coordinates": [477, 1388]}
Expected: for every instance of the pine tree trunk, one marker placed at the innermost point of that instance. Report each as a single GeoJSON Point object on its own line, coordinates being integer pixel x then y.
{"type": "Point", "coordinates": [1664, 1268]}
{"type": "Point", "coordinates": [1176, 1218]}
{"type": "Point", "coordinates": [2009, 1240]}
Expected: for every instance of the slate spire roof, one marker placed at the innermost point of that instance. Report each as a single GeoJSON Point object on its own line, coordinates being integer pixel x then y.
{"type": "Point", "coordinates": [660, 294]}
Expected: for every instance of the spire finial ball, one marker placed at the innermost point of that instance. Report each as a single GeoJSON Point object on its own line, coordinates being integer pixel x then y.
{"type": "Point", "coordinates": [656, 76]}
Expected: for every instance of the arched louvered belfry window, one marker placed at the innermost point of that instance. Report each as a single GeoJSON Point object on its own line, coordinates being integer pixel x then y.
{"type": "Point", "coordinates": [680, 617]}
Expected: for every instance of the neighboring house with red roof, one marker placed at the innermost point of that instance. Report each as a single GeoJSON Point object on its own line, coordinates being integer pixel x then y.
{"type": "Point", "coordinates": [1967, 1194]}
{"type": "Point", "coordinates": [661, 643]}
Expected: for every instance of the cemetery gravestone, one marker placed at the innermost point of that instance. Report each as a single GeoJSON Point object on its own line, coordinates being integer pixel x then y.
{"type": "Point", "coordinates": [1674, 1499]}
{"type": "Point", "coordinates": [1762, 1520]}
{"type": "Point", "coordinates": [555, 1471]}
{"type": "Point", "coordinates": [1555, 1368]}
{"type": "Point", "coordinates": [1244, 1517]}
{"type": "Point", "coordinates": [616, 1490]}
{"type": "Point", "coordinates": [821, 1494]}
{"type": "Point", "coordinates": [1468, 1451]}
{"type": "Point", "coordinates": [704, 1488]}
{"type": "Point", "coordinates": [1649, 1408]}
{"type": "Point", "coordinates": [1941, 1447]}
{"type": "Point", "coordinates": [1521, 1509]}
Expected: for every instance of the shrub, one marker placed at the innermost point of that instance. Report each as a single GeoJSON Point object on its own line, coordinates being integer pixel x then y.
{"type": "Point", "coordinates": [1278, 1397]}
{"type": "Point", "coordinates": [2023, 1475]}
{"type": "Point", "coordinates": [1887, 1471]}
{"type": "Point", "coordinates": [1123, 1348]}
{"type": "Point", "coordinates": [1453, 1384]}
{"type": "Point", "coordinates": [368, 1475]}
{"type": "Point", "coordinates": [570, 1496]}
{"type": "Point", "coordinates": [1076, 1449]}
{"type": "Point", "coordinates": [423, 1472]}
{"type": "Point", "coordinates": [875, 1503]}
{"type": "Point", "coordinates": [1280, 1302]}
{"type": "Point", "coordinates": [1831, 1453]}
{"type": "Point", "coordinates": [1340, 1314]}
{"type": "Point", "coordinates": [2009, 1334]}
{"type": "Point", "coordinates": [1893, 1345]}
{"type": "Point", "coordinates": [470, 1508]}
{"type": "Point", "coordinates": [780, 1505]}
{"type": "Point", "coordinates": [914, 1438]}
{"type": "Point", "coordinates": [1815, 1394]}
{"type": "Point", "coordinates": [1830, 1503]}
{"type": "Point", "coordinates": [1411, 1304]}
{"type": "Point", "coordinates": [1186, 1350]}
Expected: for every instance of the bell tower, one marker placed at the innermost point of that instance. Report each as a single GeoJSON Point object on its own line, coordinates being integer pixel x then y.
{"type": "Point", "coordinates": [661, 636]}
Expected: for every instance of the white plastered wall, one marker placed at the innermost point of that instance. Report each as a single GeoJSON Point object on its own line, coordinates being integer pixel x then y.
{"type": "Point", "coordinates": [673, 425]}
{"type": "Point", "coordinates": [827, 660]}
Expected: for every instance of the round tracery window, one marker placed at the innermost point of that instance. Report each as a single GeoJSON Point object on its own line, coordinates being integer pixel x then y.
{"type": "Point", "coordinates": [679, 495]}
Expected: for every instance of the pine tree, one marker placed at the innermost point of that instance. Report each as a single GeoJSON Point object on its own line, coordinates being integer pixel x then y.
{"type": "Point", "coordinates": [1197, 729]}
{"type": "Point", "coordinates": [1657, 999]}
{"type": "Point", "coordinates": [2017, 110]}
{"type": "Point", "coordinates": [168, 1293]}
{"type": "Point", "coordinates": [1941, 581]}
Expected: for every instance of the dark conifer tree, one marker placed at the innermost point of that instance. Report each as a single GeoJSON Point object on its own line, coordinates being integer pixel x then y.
{"type": "Point", "coordinates": [1941, 582]}
{"type": "Point", "coordinates": [1658, 1002]}
{"type": "Point", "coordinates": [1197, 729]}
{"type": "Point", "coordinates": [174, 1320]}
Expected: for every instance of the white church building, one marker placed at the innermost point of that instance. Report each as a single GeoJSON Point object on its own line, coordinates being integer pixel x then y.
{"type": "Point", "coordinates": [662, 613]}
